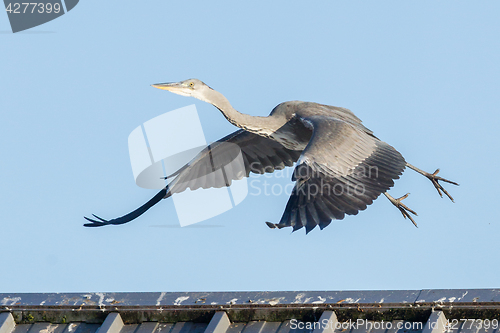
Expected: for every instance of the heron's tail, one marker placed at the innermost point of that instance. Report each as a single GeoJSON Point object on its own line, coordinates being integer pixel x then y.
{"type": "Point", "coordinates": [130, 216]}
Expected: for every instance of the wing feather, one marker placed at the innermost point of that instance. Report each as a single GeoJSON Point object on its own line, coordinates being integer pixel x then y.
{"type": "Point", "coordinates": [214, 166]}
{"type": "Point", "coordinates": [341, 171]}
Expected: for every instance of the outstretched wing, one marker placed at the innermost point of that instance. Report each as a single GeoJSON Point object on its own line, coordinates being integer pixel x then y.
{"type": "Point", "coordinates": [341, 171]}
{"type": "Point", "coordinates": [216, 166]}
{"type": "Point", "coordinates": [220, 163]}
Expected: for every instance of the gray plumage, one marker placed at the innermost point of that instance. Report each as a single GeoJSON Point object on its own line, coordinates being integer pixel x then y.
{"type": "Point", "coordinates": [341, 167]}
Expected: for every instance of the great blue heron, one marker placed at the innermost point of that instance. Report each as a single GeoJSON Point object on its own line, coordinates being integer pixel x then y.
{"type": "Point", "coordinates": [341, 167]}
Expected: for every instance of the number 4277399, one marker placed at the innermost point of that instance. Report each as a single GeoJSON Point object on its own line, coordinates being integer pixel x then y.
{"type": "Point", "coordinates": [33, 7]}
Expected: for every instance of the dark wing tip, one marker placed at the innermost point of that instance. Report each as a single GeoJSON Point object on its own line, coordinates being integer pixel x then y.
{"type": "Point", "coordinates": [99, 222]}
{"type": "Point", "coordinates": [95, 223]}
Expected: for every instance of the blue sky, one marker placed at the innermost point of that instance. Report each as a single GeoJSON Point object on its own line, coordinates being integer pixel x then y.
{"type": "Point", "coordinates": [424, 76]}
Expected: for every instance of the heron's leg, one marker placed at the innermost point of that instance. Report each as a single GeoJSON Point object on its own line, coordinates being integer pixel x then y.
{"type": "Point", "coordinates": [402, 208]}
{"type": "Point", "coordinates": [435, 180]}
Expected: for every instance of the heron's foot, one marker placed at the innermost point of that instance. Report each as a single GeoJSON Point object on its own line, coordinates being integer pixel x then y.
{"type": "Point", "coordinates": [435, 181]}
{"type": "Point", "coordinates": [402, 207]}
{"type": "Point", "coordinates": [275, 225]}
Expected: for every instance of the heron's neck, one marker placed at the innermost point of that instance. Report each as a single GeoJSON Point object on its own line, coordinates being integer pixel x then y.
{"type": "Point", "coordinates": [259, 125]}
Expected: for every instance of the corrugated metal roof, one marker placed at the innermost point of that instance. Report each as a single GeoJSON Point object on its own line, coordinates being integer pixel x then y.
{"type": "Point", "coordinates": [410, 311]}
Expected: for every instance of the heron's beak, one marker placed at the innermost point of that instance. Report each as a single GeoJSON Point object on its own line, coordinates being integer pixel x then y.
{"type": "Point", "coordinates": [178, 88]}
{"type": "Point", "coordinates": [173, 87]}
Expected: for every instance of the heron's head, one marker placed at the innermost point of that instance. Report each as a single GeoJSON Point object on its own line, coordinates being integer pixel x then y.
{"type": "Point", "coordinates": [192, 87]}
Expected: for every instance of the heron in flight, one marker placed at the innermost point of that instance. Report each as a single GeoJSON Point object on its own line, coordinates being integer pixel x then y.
{"type": "Point", "coordinates": [341, 166]}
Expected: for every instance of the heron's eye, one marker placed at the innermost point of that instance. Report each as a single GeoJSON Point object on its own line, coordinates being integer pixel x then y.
{"type": "Point", "coordinates": [191, 84]}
